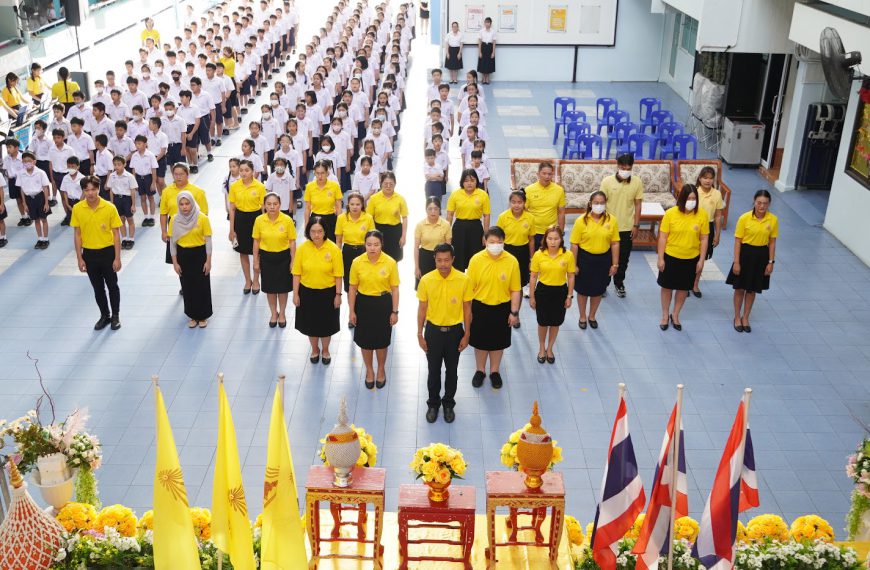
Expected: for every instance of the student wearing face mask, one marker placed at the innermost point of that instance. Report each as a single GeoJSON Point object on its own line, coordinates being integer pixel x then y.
{"type": "Point", "coordinates": [595, 245]}
{"type": "Point", "coordinates": [683, 236]}
{"type": "Point", "coordinates": [495, 308]}
{"type": "Point", "coordinates": [624, 194]}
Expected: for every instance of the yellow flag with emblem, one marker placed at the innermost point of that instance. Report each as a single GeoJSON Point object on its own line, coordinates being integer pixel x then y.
{"type": "Point", "coordinates": [175, 545]}
{"type": "Point", "coordinates": [283, 541]}
{"type": "Point", "coordinates": [230, 527]}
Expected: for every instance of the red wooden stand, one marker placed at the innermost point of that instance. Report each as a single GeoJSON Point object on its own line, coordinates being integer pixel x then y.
{"type": "Point", "coordinates": [414, 505]}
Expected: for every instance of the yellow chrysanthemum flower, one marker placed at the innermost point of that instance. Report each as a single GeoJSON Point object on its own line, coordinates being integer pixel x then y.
{"type": "Point", "coordinates": [686, 528]}
{"type": "Point", "coordinates": [118, 517]}
{"type": "Point", "coordinates": [634, 531]}
{"type": "Point", "coordinates": [77, 516]}
{"type": "Point", "coordinates": [147, 521]}
{"type": "Point", "coordinates": [575, 531]}
{"type": "Point", "coordinates": [811, 527]}
{"type": "Point", "coordinates": [258, 523]}
{"type": "Point", "coordinates": [741, 533]}
{"type": "Point", "coordinates": [201, 522]}
{"type": "Point", "coordinates": [767, 527]}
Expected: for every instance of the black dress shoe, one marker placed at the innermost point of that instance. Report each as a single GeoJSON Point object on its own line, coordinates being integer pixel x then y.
{"type": "Point", "coordinates": [52, 203]}
{"type": "Point", "coordinates": [476, 381]}
{"type": "Point", "coordinates": [3, 242]}
{"type": "Point", "coordinates": [496, 380]}
{"type": "Point", "coordinates": [370, 384]}
{"type": "Point", "coordinates": [664, 327]}
{"type": "Point", "coordinates": [273, 324]}
{"type": "Point", "coordinates": [697, 294]}
{"type": "Point", "coordinates": [116, 322]}
{"type": "Point", "coordinates": [432, 414]}
{"type": "Point", "coordinates": [449, 415]}
{"type": "Point", "coordinates": [381, 383]}
{"type": "Point", "coordinates": [582, 325]}
{"type": "Point", "coordinates": [551, 359]}
{"type": "Point", "coordinates": [194, 169]}
{"type": "Point", "coordinates": [28, 221]}
{"type": "Point", "coordinates": [677, 326]}
{"type": "Point", "coordinates": [314, 359]}
{"type": "Point", "coordinates": [282, 324]}
{"type": "Point", "coordinates": [326, 360]}
{"type": "Point", "coordinates": [593, 323]}
{"type": "Point", "coordinates": [542, 359]}
{"type": "Point", "coordinates": [747, 329]}
{"type": "Point", "coordinates": [738, 328]}
{"type": "Point", "coordinates": [102, 323]}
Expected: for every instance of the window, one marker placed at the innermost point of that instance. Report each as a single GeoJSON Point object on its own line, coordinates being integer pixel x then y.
{"type": "Point", "coordinates": [675, 45]}
{"type": "Point", "coordinates": [689, 37]}
{"type": "Point", "coordinates": [858, 166]}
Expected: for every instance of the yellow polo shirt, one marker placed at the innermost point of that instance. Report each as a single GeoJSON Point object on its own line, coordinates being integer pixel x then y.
{"type": "Point", "coordinates": [152, 33]}
{"type": "Point", "coordinates": [710, 202]}
{"type": "Point", "coordinates": [247, 198]}
{"type": "Point", "coordinates": [752, 231]}
{"type": "Point", "coordinates": [445, 296]}
{"type": "Point", "coordinates": [274, 236]}
{"type": "Point", "coordinates": [431, 235]}
{"type": "Point", "coordinates": [229, 66]}
{"type": "Point", "coordinates": [517, 231]}
{"type": "Point", "coordinates": [493, 279]}
{"type": "Point", "coordinates": [468, 206]}
{"type": "Point", "coordinates": [595, 237]}
{"type": "Point", "coordinates": [684, 232]}
{"type": "Point", "coordinates": [96, 224]}
{"type": "Point", "coordinates": [376, 278]}
{"type": "Point", "coordinates": [196, 236]}
{"type": "Point", "coordinates": [36, 86]}
{"type": "Point", "coordinates": [620, 199]}
{"type": "Point", "coordinates": [553, 271]}
{"type": "Point", "coordinates": [11, 97]}
{"type": "Point", "coordinates": [387, 211]}
{"type": "Point", "coordinates": [318, 266]}
{"type": "Point", "coordinates": [353, 232]}
{"type": "Point", "coordinates": [168, 200]}
{"type": "Point", "coordinates": [322, 199]}
{"type": "Point", "coordinates": [543, 203]}
{"type": "Point", "coordinates": [64, 92]}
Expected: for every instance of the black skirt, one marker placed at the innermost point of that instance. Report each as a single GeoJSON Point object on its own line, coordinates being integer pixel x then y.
{"type": "Point", "coordinates": [710, 241]}
{"type": "Point", "coordinates": [550, 304]}
{"type": "Point", "coordinates": [427, 263]}
{"type": "Point", "coordinates": [328, 221]}
{"type": "Point", "coordinates": [195, 285]}
{"type": "Point", "coordinates": [679, 274]}
{"type": "Point", "coordinates": [373, 329]}
{"type": "Point", "coordinates": [486, 63]}
{"type": "Point", "coordinates": [753, 262]}
{"type": "Point", "coordinates": [244, 228]}
{"type": "Point", "coordinates": [489, 326]}
{"type": "Point", "coordinates": [392, 235]}
{"type": "Point", "coordinates": [275, 274]}
{"type": "Point", "coordinates": [467, 240]}
{"type": "Point", "coordinates": [524, 258]}
{"type": "Point", "coordinates": [316, 314]}
{"type": "Point", "coordinates": [594, 275]}
{"type": "Point", "coordinates": [452, 61]}
{"type": "Point", "coordinates": [348, 254]}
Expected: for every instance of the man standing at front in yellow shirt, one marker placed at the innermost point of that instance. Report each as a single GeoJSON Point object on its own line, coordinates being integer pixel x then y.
{"type": "Point", "coordinates": [97, 242]}
{"type": "Point", "coordinates": [445, 310]}
{"type": "Point", "coordinates": [624, 198]}
{"type": "Point", "coordinates": [545, 201]}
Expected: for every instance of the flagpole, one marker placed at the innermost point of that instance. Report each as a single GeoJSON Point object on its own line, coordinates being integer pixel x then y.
{"type": "Point", "coordinates": [747, 395]}
{"type": "Point", "coordinates": [621, 390]}
{"type": "Point", "coordinates": [281, 380]}
{"type": "Point", "coordinates": [220, 555]}
{"type": "Point", "coordinates": [675, 459]}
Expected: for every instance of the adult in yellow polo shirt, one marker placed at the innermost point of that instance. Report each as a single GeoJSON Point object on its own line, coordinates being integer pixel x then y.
{"type": "Point", "coordinates": [710, 199]}
{"type": "Point", "coordinates": [64, 88]}
{"type": "Point", "coordinates": [429, 232]}
{"type": "Point", "coordinates": [551, 288]}
{"type": "Point", "coordinates": [754, 256]}
{"type": "Point", "coordinates": [495, 282]}
{"type": "Point", "coordinates": [97, 242]}
{"type": "Point", "coordinates": [36, 86]}
{"type": "Point", "coordinates": [150, 32]}
{"type": "Point", "coordinates": [190, 247]}
{"type": "Point", "coordinates": [466, 207]}
{"type": "Point", "coordinates": [545, 201]}
{"type": "Point", "coordinates": [595, 245]}
{"type": "Point", "coordinates": [350, 232]}
{"type": "Point", "coordinates": [274, 236]}
{"type": "Point", "coordinates": [624, 199]}
{"type": "Point", "coordinates": [13, 100]}
{"type": "Point", "coordinates": [323, 198]}
{"type": "Point", "coordinates": [374, 305]}
{"type": "Point", "coordinates": [246, 197]}
{"type": "Point", "coordinates": [390, 212]}
{"type": "Point", "coordinates": [443, 328]}
{"type": "Point", "coordinates": [519, 231]}
{"type": "Point", "coordinates": [683, 235]}
{"type": "Point", "coordinates": [169, 202]}
{"type": "Point", "coordinates": [317, 277]}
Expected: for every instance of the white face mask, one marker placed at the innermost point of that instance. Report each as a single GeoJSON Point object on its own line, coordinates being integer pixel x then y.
{"type": "Point", "coordinates": [326, 148]}
{"type": "Point", "coordinates": [73, 171]}
{"type": "Point", "coordinates": [279, 169]}
{"type": "Point", "coordinates": [690, 204]}
{"type": "Point", "coordinates": [624, 174]}
{"type": "Point", "coordinates": [275, 102]}
{"type": "Point", "coordinates": [99, 91]}
{"type": "Point", "coordinates": [170, 114]}
{"type": "Point", "coordinates": [342, 114]}
{"type": "Point", "coordinates": [598, 209]}
{"type": "Point", "coordinates": [137, 118]}
{"type": "Point", "coordinates": [39, 132]}
{"type": "Point", "coordinates": [29, 166]}
{"type": "Point", "coordinates": [291, 81]}
{"type": "Point", "coordinates": [336, 130]}
{"type": "Point", "coordinates": [267, 116]}
{"type": "Point", "coordinates": [495, 248]}
{"type": "Point", "coordinates": [376, 132]}
{"type": "Point", "coordinates": [146, 76]}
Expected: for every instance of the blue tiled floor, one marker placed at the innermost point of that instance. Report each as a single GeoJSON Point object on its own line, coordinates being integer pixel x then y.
{"type": "Point", "coordinates": [807, 359]}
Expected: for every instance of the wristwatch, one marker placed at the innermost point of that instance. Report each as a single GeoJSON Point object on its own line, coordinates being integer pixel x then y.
{"type": "Point", "coordinates": [515, 313]}
{"type": "Point", "coordinates": [395, 312]}
{"type": "Point", "coordinates": [771, 261]}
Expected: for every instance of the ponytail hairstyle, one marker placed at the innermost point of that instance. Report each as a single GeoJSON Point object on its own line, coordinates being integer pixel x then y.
{"type": "Point", "coordinates": [589, 207]}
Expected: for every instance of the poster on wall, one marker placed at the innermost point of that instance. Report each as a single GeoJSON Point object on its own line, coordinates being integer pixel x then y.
{"type": "Point", "coordinates": [474, 18]}
{"type": "Point", "coordinates": [507, 19]}
{"type": "Point", "coordinates": [558, 20]}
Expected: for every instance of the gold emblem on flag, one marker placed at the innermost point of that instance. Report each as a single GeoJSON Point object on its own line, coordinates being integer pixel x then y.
{"type": "Point", "coordinates": [237, 500]}
{"type": "Point", "coordinates": [173, 482]}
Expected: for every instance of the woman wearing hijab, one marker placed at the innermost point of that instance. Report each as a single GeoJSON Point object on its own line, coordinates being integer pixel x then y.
{"type": "Point", "coordinates": [190, 247]}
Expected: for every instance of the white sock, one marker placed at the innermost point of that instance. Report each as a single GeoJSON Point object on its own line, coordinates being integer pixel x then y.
{"type": "Point", "coordinates": [2, 236]}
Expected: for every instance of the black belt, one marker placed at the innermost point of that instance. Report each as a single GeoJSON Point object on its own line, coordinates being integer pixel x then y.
{"type": "Point", "coordinates": [457, 326]}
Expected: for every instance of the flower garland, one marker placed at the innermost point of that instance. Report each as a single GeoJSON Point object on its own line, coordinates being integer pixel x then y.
{"type": "Point", "coordinates": [509, 451]}
{"type": "Point", "coordinates": [858, 470]}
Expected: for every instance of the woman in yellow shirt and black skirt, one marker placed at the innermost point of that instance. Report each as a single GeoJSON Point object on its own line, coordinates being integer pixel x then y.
{"type": "Point", "coordinates": [710, 199]}
{"type": "Point", "coordinates": [190, 246]}
{"type": "Point", "coordinates": [595, 245]}
{"type": "Point", "coordinates": [274, 236]}
{"type": "Point", "coordinates": [390, 212]}
{"type": "Point", "coordinates": [551, 287]}
{"type": "Point", "coordinates": [317, 281]}
{"type": "Point", "coordinates": [754, 256]}
{"type": "Point", "coordinates": [430, 231]}
{"type": "Point", "coordinates": [350, 232]}
{"type": "Point", "coordinates": [323, 198]}
{"type": "Point", "coordinates": [374, 305]}
{"type": "Point", "coordinates": [519, 230]}
{"type": "Point", "coordinates": [683, 236]}
{"type": "Point", "coordinates": [468, 205]}
{"type": "Point", "coordinates": [246, 204]}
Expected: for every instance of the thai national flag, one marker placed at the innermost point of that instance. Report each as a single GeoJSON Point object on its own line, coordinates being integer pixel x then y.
{"type": "Point", "coordinates": [655, 535]}
{"type": "Point", "coordinates": [734, 490]}
{"type": "Point", "coordinates": [622, 496]}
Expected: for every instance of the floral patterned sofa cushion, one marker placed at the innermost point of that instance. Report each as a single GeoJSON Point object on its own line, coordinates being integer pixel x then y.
{"type": "Point", "coordinates": [582, 178]}
{"type": "Point", "coordinates": [688, 171]}
{"type": "Point", "coordinates": [525, 172]}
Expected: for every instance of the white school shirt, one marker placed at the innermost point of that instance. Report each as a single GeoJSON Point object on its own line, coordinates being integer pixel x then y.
{"type": "Point", "coordinates": [148, 87]}
{"type": "Point", "coordinates": [82, 145]}
{"type": "Point", "coordinates": [72, 188]}
{"type": "Point", "coordinates": [433, 170]}
{"type": "Point", "coordinates": [486, 36]}
{"type": "Point", "coordinates": [103, 162]}
{"type": "Point", "coordinates": [293, 158]}
{"type": "Point", "coordinates": [365, 184]}
{"type": "Point", "coordinates": [330, 156]}
{"type": "Point", "coordinates": [300, 142]}
{"type": "Point", "coordinates": [262, 145]}
{"type": "Point", "coordinates": [280, 115]}
{"type": "Point", "coordinates": [83, 112]}
{"type": "Point", "coordinates": [282, 186]}
{"type": "Point", "coordinates": [151, 112]}
{"type": "Point", "coordinates": [269, 131]}
{"type": "Point", "coordinates": [104, 127]}
{"type": "Point", "coordinates": [105, 99]}
{"type": "Point", "coordinates": [203, 101]}
{"type": "Point", "coordinates": [465, 119]}
{"type": "Point", "coordinates": [32, 184]}
{"type": "Point", "coordinates": [134, 129]}
{"type": "Point", "coordinates": [342, 142]}
{"type": "Point", "coordinates": [255, 159]}
{"type": "Point", "coordinates": [123, 184]}
{"type": "Point", "coordinates": [40, 147]}
{"type": "Point", "coordinates": [454, 40]}
{"type": "Point", "coordinates": [383, 145]}
{"type": "Point", "coordinates": [442, 159]}
{"type": "Point", "coordinates": [215, 87]}
{"type": "Point", "coordinates": [157, 142]}
{"type": "Point", "coordinates": [482, 171]}
{"type": "Point", "coordinates": [189, 114]}
{"type": "Point", "coordinates": [58, 157]}
{"type": "Point", "coordinates": [122, 147]}
{"type": "Point", "coordinates": [131, 100]}
{"type": "Point", "coordinates": [173, 127]}
{"type": "Point", "coordinates": [63, 125]}
{"type": "Point", "coordinates": [118, 112]}
{"type": "Point", "coordinates": [13, 166]}
{"type": "Point", "coordinates": [142, 163]}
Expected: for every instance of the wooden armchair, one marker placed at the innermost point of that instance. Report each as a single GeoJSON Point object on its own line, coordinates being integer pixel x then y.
{"type": "Point", "coordinates": [686, 172]}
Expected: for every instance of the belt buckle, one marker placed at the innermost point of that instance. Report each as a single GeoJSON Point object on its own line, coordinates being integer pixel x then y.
{"type": "Point", "coordinates": [444, 329]}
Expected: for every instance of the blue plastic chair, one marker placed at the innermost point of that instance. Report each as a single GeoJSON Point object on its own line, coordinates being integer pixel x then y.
{"type": "Point", "coordinates": [681, 147]}
{"type": "Point", "coordinates": [571, 117]}
{"type": "Point", "coordinates": [647, 106]}
{"type": "Point", "coordinates": [613, 118]}
{"type": "Point", "coordinates": [585, 146]}
{"type": "Point", "coordinates": [636, 143]}
{"type": "Point", "coordinates": [656, 118]}
{"type": "Point", "coordinates": [665, 135]}
{"type": "Point", "coordinates": [572, 131]}
{"type": "Point", "coordinates": [603, 105]}
{"type": "Point", "coordinates": [560, 106]}
{"type": "Point", "coordinates": [620, 137]}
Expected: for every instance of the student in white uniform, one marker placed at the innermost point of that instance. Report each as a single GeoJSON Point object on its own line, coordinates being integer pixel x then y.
{"type": "Point", "coordinates": [34, 186]}
{"type": "Point", "coordinates": [123, 188]}
{"type": "Point", "coordinates": [453, 62]}
{"type": "Point", "coordinates": [71, 188]}
{"type": "Point", "coordinates": [143, 163]}
{"type": "Point", "coordinates": [282, 182]}
{"type": "Point", "coordinates": [486, 51]}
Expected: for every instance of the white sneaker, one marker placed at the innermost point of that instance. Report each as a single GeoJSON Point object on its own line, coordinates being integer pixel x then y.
{"type": "Point", "coordinates": [526, 291]}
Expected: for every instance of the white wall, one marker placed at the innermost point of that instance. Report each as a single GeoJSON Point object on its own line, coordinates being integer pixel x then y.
{"type": "Point", "coordinates": [849, 203]}
{"type": "Point", "coordinates": [681, 81]}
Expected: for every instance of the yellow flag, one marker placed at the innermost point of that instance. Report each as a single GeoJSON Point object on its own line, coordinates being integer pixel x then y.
{"type": "Point", "coordinates": [230, 527]}
{"type": "Point", "coordinates": [175, 545]}
{"type": "Point", "coordinates": [283, 541]}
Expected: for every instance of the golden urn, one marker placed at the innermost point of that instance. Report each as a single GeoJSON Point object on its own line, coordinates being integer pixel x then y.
{"type": "Point", "coordinates": [534, 451]}
{"type": "Point", "coordinates": [342, 448]}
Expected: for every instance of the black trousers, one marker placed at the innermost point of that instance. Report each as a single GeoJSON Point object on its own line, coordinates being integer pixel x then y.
{"type": "Point", "coordinates": [102, 276]}
{"type": "Point", "coordinates": [624, 253]}
{"type": "Point", "coordinates": [443, 348]}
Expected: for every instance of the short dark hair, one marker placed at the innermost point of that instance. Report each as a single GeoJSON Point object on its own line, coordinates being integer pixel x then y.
{"type": "Point", "coordinates": [90, 181]}
{"type": "Point", "coordinates": [626, 159]}
{"type": "Point", "coordinates": [684, 195]}
{"type": "Point", "coordinates": [73, 160]}
{"type": "Point", "coordinates": [374, 233]}
{"type": "Point", "coordinates": [494, 231]}
{"type": "Point", "coordinates": [444, 248]}
{"type": "Point", "coordinates": [311, 222]}
{"type": "Point", "coordinates": [469, 172]}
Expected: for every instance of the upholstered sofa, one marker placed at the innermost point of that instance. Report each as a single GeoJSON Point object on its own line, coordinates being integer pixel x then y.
{"type": "Point", "coordinates": [686, 172]}
{"type": "Point", "coordinates": [524, 171]}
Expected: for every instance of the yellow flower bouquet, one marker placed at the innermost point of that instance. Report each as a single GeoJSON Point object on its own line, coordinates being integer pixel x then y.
{"type": "Point", "coordinates": [634, 532]}
{"type": "Point", "coordinates": [147, 521]}
{"type": "Point", "coordinates": [438, 463]}
{"type": "Point", "coordinates": [811, 527]}
{"type": "Point", "coordinates": [74, 517]}
{"type": "Point", "coordinates": [201, 523]}
{"type": "Point", "coordinates": [767, 527]}
{"type": "Point", "coordinates": [686, 528]}
{"type": "Point", "coordinates": [509, 451]}
{"type": "Point", "coordinates": [368, 455]}
{"type": "Point", "coordinates": [575, 531]}
{"type": "Point", "coordinates": [118, 517]}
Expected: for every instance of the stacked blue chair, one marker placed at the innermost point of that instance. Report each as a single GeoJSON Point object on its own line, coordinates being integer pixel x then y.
{"type": "Point", "coordinates": [648, 105]}
{"type": "Point", "coordinates": [681, 147]}
{"type": "Point", "coordinates": [560, 106]}
{"type": "Point", "coordinates": [572, 131]}
{"type": "Point", "coordinates": [656, 118]}
{"type": "Point", "coordinates": [585, 146]}
{"type": "Point", "coordinates": [665, 135]}
{"type": "Point", "coordinates": [604, 105]}
{"type": "Point", "coordinates": [620, 137]}
{"type": "Point", "coordinates": [613, 118]}
{"type": "Point", "coordinates": [636, 144]}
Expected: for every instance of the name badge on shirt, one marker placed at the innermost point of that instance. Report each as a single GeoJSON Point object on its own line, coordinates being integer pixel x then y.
{"type": "Point", "coordinates": [453, 300]}
{"type": "Point", "coordinates": [383, 272]}
{"type": "Point", "coordinates": [695, 227]}
{"type": "Point", "coordinates": [253, 192]}
{"type": "Point", "coordinates": [327, 256]}
{"type": "Point", "coordinates": [329, 194]}
{"type": "Point", "coordinates": [606, 226]}
{"type": "Point", "coordinates": [525, 225]}
{"type": "Point", "coordinates": [281, 228]}
{"type": "Point", "coordinates": [503, 277]}
{"type": "Point", "coordinates": [563, 263]}
{"type": "Point", "coordinates": [477, 201]}
{"type": "Point", "coordinates": [103, 227]}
